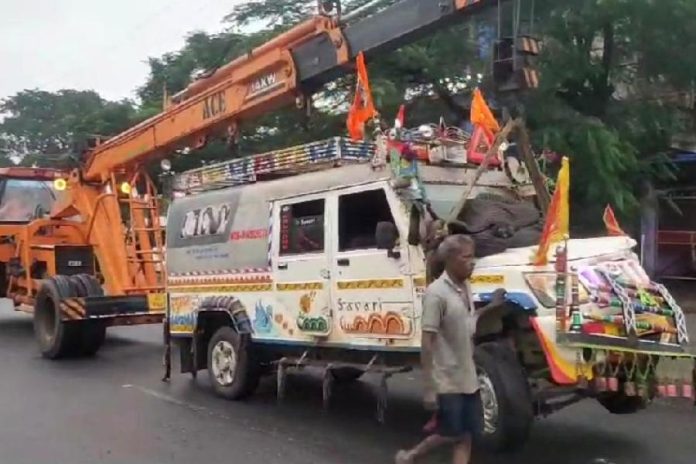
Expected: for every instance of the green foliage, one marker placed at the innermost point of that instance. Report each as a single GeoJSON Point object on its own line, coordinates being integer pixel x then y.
{"type": "Point", "coordinates": [44, 127]}
{"type": "Point", "coordinates": [609, 71]}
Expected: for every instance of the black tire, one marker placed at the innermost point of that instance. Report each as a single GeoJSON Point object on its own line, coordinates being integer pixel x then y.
{"type": "Point", "coordinates": [501, 374]}
{"type": "Point", "coordinates": [89, 285]}
{"type": "Point", "coordinates": [620, 403]}
{"type": "Point", "coordinates": [347, 374]}
{"type": "Point", "coordinates": [92, 333]}
{"type": "Point", "coordinates": [92, 336]}
{"type": "Point", "coordinates": [56, 338]}
{"type": "Point", "coordinates": [244, 375]}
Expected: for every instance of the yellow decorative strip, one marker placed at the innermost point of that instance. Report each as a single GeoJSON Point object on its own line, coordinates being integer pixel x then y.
{"type": "Point", "coordinates": [419, 281]}
{"type": "Point", "coordinates": [299, 286]}
{"type": "Point", "coordinates": [210, 280]}
{"type": "Point", "coordinates": [492, 279]}
{"type": "Point", "coordinates": [223, 288]}
{"type": "Point", "coordinates": [367, 284]}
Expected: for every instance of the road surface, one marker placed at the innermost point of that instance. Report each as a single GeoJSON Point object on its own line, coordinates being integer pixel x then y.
{"type": "Point", "coordinates": [115, 409]}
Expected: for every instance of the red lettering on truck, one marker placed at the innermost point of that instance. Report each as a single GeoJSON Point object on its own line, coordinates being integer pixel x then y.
{"type": "Point", "coordinates": [250, 234]}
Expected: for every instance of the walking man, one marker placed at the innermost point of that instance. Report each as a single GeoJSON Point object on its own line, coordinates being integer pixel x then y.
{"type": "Point", "coordinates": [447, 354]}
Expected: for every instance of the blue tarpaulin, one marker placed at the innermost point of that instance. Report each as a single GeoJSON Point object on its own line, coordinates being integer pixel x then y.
{"type": "Point", "coordinates": [684, 157]}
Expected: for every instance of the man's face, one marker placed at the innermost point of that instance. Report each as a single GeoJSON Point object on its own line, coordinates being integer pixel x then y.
{"type": "Point", "coordinates": [461, 265]}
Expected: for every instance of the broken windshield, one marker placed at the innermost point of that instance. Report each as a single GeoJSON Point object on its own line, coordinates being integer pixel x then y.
{"type": "Point", "coordinates": [22, 200]}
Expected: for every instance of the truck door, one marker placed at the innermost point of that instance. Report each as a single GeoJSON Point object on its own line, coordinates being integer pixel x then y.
{"type": "Point", "coordinates": [372, 291]}
{"type": "Point", "coordinates": [301, 268]}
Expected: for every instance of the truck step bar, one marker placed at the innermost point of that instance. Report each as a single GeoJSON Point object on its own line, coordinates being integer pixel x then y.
{"type": "Point", "coordinates": [373, 367]}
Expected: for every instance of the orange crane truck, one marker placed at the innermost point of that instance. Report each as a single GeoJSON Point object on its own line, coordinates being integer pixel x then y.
{"type": "Point", "coordinates": [58, 266]}
{"type": "Point", "coordinates": [91, 254]}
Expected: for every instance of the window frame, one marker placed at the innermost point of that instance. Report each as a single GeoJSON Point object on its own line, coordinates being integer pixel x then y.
{"type": "Point", "coordinates": [356, 190]}
{"type": "Point", "coordinates": [279, 221]}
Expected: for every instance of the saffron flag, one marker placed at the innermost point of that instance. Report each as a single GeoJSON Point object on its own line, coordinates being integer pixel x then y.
{"type": "Point", "coordinates": [611, 223]}
{"type": "Point", "coordinates": [557, 217]}
{"type": "Point", "coordinates": [482, 115]}
{"type": "Point", "coordinates": [400, 117]}
{"type": "Point", "coordinates": [363, 107]}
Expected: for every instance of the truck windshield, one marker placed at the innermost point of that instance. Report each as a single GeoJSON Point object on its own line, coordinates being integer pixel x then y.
{"type": "Point", "coordinates": [21, 199]}
{"type": "Point", "coordinates": [443, 197]}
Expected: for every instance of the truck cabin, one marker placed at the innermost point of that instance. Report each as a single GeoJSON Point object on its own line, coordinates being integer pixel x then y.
{"type": "Point", "coordinates": [27, 193]}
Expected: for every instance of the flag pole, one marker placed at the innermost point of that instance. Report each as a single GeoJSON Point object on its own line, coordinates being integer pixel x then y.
{"type": "Point", "coordinates": [501, 136]}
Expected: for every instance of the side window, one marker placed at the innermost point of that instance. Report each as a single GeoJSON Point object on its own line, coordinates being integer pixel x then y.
{"type": "Point", "coordinates": [302, 228]}
{"type": "Point", "coordinates": [358, 215]}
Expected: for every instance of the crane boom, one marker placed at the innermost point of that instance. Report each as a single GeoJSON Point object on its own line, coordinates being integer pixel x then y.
{"type": "Point", "coordinates": [271, 76]}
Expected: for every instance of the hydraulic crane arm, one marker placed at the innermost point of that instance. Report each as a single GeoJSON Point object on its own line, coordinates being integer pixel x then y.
{"type": "Point", "coordinates": [275, 74]}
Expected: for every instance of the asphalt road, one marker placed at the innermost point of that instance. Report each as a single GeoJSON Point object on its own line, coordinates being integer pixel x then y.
{"type": "Point", "coordinates": [115, 409]}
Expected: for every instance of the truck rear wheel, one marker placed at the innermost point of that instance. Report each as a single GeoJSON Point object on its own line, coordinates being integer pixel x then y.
{"type": "Point", "coordinates": [232, 369]}
{"type": "Point", "coordinates": [56, 338]}
{"type": "Point", "coordinates": [505, 397]}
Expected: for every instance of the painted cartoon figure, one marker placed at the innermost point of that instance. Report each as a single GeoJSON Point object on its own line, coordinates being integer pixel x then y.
{"type": "Point", "coordinates": [263, 318]}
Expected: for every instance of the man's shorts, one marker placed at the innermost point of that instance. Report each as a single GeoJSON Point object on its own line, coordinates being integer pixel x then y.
{"type": "Point", "coordinates": [459, 414]}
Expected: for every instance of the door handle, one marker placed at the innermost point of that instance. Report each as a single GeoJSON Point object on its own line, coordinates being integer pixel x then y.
{"type": "Point", "coordinates": [343, 262]}
{"type": "Point", "coordinates": [282, 266]}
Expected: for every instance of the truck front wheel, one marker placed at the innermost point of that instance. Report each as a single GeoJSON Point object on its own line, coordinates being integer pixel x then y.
{"type": "Point", "coordinates": [505, 397]}
{"type": "Point", "coordinates": [232, 369]}
{"type": "Point", "coordinates": [56, 338]}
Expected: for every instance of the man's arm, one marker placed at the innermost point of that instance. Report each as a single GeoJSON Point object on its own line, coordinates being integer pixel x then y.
{"type": "Point", "coordinates": [497, 304]}
{"type": "Point", "coordinates": [427, 343]}
{"type": "Point", "coordinates": [432, 318]}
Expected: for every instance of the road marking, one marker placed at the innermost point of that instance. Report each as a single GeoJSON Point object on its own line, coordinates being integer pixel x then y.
{"type": "Point", "coordinates": [165, 397]}
{"type": "Point", "coordinates": [244, 424]}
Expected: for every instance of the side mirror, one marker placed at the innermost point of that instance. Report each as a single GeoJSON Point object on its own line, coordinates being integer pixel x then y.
{"type": "Point", "coordinates": [386, 237]}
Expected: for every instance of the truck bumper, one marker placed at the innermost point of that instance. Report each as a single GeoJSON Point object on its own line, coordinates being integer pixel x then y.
{"type": "Point", "coordinates": [114, 310]}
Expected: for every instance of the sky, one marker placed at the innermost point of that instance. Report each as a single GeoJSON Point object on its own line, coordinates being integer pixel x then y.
{"type": "Point", "coordinates": [100, 45]}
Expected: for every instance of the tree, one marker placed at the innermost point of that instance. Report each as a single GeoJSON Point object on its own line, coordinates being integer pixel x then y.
{"type": "Point", "coordinates": [612, 74]}
{"type": "Point", "coordinates": [45, 128]}
{"type": "Point", "coordinates": [429, 74]}
{"type": "Point", "coordinates": [611, 71]}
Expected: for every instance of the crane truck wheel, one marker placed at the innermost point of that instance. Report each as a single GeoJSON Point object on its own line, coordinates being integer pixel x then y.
{"type": "Point", "coordinates": [505, 396]}
{"type": "Point", "coordinates": [91, 332]}
{"type": "Point", "coordinates": [232, 369]}
{"type": "Point", "coordinates": [56, 338]}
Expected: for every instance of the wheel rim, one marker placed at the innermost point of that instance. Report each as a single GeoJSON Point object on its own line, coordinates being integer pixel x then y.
{"type": "Point", "coordinates": [489, 402]}
{"type": "Point", "coordinates": [224, 363]}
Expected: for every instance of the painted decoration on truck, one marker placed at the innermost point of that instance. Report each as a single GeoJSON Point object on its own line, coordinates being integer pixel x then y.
{"type": "Point", "coordinates": [375, 319]}
{"type": "Point", "coordinates": [298, 312]}
{"type": "Point", "coordinates": [614, 284]}
{"type": "Point", "coordinates": [310, 322]}
{"type": "Point", "coordinates": [181, 313]}
{"type": "Point", "coordinates": [219, 231]}
{"type": "Point", "coordinates": [209, 220]}
{"type": "Point", "coordinates": [269, 323]}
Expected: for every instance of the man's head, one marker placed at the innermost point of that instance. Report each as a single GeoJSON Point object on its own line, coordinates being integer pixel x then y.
{"type": "Point", "coordinates": [457, 252]}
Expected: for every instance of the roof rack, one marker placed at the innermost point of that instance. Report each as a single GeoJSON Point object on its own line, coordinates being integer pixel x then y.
{"type": "Point", "coordinates": [295, 160]}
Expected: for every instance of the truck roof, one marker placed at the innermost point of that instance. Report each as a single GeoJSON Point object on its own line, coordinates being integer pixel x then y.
{"type": "Point", "coordinates": [324, 155]}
